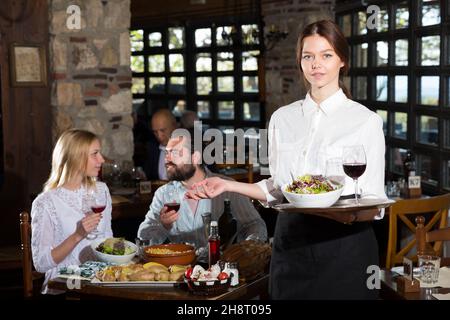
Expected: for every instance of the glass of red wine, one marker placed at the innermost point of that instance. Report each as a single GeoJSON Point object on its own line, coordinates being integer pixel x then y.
{"type": "Point", "coordinates": [354, 164]}
{"type": "Point", "coordinates": [97, 202]}
{"type": "Point", "coordinates": [173, 201]}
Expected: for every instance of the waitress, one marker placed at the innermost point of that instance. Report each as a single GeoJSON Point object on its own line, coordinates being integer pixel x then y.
{"type": "Point", "coordinates": [318, 257]}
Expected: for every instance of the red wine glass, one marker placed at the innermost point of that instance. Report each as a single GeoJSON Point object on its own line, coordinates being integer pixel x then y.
{"type": "Point", "coordinates": [354, 164]}
{"type": "Point", "coordinates": [97, 202]}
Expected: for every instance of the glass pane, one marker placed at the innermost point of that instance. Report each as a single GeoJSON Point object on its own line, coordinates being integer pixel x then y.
{"type": "Point", "coordinates": [156, 84]}
{"type": "Point", "coordinates": [400, 125]}
{"type": "Point", "coordinates": [430, 50]}
{"type": "Point", "coordinates": [155, 39]}
{"type": "Point", "coordinates": [177, 85]}
{"type": "Point", "coordinates": [204, 62]}
{"type": "Point", "coordinates": [446, 172]}
{"type": "Point", "coordinates": [137, 40]}
{"type": "Point", "coordinates": [138, 85]}
{"type": "Point", "coordinates": [203, 37]}
{"type": "Point", "coordinates": [431, 14]}
{"type": "Point", "coordinates": [402, 15]}
{"type": "Point", "coordinates": [428, 169]}
{"type": "Point", "coordinates": [401, 89]}
{"type": "Point", "coordinates": [137, 63]}
{"type": "Point", "coordinates": [156, 63]}
{"type": "Point", "coordinates": [361, 55]}
{"type": "Point", "coordinates": [224, 35]}
{"type": "Point", "coordinates": [225, 84]}
{"type": "Point", "coordinates": [250, 84]}
{"type": "Point", "coordinates": [361, 22]}
{"type": "Point", "coordinates": [383, 53]}
{"type": "Point", "coordinates": [429, 90]}
{"type": "Point", "coordinates": [384, 115]}
{"type": "Point", "coordinates": [398, 155]}
{"type": "Point", "coordinates": [346, 25]}
{"type": "Point", "coordinates": [204, 85]}
{"type": "Point", "coordinates": [226, 110]}
{"type": "Point", "coordinates": [250, 60]}
{"type": "Point", "coordinates": [250, 34]}
{"type": "Point", "coordinates": [428, 130]}
{"type": "Point", "coordinates": [446, 133]}
{"type": "Point", "coordinates": [383, 21]}
{"type": "Point", "coordinates": [176, 62]}
{"type": "Point", "coordinates": [225, 61]}
{"type": "Point", "coordinates": [381, 88]}
{"type": "Point", "coordinates": [361, 88]}
{"type": "Point", "coordinates": [251, 111]}
{"type": "Point", "coordinates": [176, 38]}
{"type": "Point", "coordinates": [203, 109]}
{"type": "Point", "coordinates": [401, 52]}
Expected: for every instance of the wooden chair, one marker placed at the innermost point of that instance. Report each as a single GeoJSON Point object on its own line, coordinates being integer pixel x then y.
{"type": "Point", "coordinates": [32, 280]}
{"type": "Point", "coordinates": [425, 238]}
{"type": "Point", "coordinates": [437, 206]}
{"type": "Point", "coordinates": [239, 172]}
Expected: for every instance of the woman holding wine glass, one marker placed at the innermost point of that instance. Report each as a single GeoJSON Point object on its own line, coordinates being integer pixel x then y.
{"type": "Point", "coordinates": [323, 256]}
{"type": "Point", "coordinates": [71, 206]}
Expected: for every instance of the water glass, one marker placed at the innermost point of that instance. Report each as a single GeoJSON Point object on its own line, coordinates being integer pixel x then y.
{"type": "Point", "coordinates": [141, 244]}
{"type": "Point", "coordinates": [429, 268]}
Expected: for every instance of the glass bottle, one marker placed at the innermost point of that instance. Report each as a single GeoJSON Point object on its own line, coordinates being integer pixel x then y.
{"type": "Point", "coordinates": [214, 244]}
{"type": "Point", "coordinates": [409, 165]}
{"type": "Point", "coordinates": [227, 223]}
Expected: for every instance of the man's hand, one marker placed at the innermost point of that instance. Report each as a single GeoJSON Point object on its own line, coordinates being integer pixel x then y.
{"type": "Point", "coordinates": [167, 218]}
{"type": "Point", "coordinates": [207, 189]}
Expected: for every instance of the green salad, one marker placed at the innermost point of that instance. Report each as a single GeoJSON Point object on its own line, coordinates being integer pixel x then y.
{"type": "Point", "coordinates": [115, 246]}
{"type": "Point", "coordinates": [310, 184]}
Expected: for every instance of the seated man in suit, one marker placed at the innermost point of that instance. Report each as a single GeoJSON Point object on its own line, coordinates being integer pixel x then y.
{"type": "Point", "coordinates": [163, 123]}
{"type": "Point", "coordinates": [184, 168]}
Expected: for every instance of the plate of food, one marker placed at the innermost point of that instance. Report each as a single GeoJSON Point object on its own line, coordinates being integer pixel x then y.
{"type": "Point", "coordinates": [150, 274]}
{"type": "Point", "coordinates": [114, 250]}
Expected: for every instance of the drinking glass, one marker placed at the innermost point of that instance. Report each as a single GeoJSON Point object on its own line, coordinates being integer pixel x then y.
{"type": "Point", "coordinates": [334, 171]}
{"type": "Point", "coordinates": [429, 268]}
{"type": "Point", "coordinates": [96, 202]}
{"type": "Point", "coordinates": [354, 164]}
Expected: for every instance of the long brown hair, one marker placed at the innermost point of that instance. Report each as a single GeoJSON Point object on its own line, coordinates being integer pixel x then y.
{"type": "Point", "coordinates": [330, 31]}
{"type": "Point", "coordinates": [70, 156]}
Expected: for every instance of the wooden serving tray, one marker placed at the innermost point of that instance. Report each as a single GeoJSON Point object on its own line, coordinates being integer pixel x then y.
{"type": "Point", "coordinates": [345, 205]}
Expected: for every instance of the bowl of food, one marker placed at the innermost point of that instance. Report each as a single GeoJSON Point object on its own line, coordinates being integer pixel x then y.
{"type": "Point", "coordinates": [114, 250]}
{"type": "Point", "coordinates": [312, 191]}
{"type": "Point", "coordinates": [170, 254]}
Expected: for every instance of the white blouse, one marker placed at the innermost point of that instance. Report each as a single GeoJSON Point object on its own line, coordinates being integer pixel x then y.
{"type": "Point", "coordinates": [54, 217]}
{"type": "Point", "coordinates": [304, 135]}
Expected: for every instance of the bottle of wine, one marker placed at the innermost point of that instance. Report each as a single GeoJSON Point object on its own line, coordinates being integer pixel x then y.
{"type": "Point", "coordinates": [227, 223]}
{"type": "Point", "coordinates": [409, 165]}
{"type": "Point", "coordinates": [213, 244]}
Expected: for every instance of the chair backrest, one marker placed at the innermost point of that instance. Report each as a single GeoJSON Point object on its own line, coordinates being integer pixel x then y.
{"type": "Point", "coordinates": [27, 261]}
{"type": "Point", "coordinates": [239, 172]}
{"type": "Point", "coordinates": [424, 237]}
{"type": "Point", "coordinates": [437, 206]}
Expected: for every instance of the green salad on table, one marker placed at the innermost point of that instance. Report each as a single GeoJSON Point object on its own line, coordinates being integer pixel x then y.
{"type": "Point", "coordinates": [115, 246]}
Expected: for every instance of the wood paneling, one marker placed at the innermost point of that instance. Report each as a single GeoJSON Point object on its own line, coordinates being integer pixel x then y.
{"type": "Point", "coordinates": [27, 118]}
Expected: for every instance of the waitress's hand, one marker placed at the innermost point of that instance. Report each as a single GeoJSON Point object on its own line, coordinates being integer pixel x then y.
{"type": "Point", "coordinates": [88, 224]}
{"type": "Point", "coordinates": [168, 217]}
{"type": "Point", "coordinates": [351, 217]}
{"type": "Point", "coordinates": [208, 188]}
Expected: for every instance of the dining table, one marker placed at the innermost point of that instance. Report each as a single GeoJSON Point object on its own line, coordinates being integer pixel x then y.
{"type": "Point", "coordinates": [256, 288]}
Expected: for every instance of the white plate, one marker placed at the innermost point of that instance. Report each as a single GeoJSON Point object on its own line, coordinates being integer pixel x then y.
{"type": "Point", "coordinates": [134, 284]}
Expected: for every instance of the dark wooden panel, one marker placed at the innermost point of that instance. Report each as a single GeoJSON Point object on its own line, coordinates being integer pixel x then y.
{"type": "Point", "coordinates": [26, 118]}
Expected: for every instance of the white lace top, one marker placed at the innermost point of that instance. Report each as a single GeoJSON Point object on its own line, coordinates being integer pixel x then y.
{"type": "Point", "coordinates": [54, 217]}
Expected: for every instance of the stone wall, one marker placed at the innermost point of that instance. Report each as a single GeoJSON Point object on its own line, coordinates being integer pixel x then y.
{"type": "Point", "coordinates": [283, 83]}
{"type": "Point", "coordinates": [90, 72]}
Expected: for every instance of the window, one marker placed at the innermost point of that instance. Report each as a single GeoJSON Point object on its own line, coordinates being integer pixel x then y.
{"type": "Point", "coordinates": [401, 69]}
{"type": "Point", "coordinates": [209, 68]}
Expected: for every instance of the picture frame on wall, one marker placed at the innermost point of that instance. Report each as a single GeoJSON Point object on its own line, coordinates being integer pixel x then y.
{"type": "Point", "coordinates": [28, 65]}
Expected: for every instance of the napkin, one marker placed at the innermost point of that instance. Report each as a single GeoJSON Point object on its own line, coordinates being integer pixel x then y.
{"type": "Point", "coordinates": [443, 280]}
{"type": "Point", "coordinates": [441, 296]}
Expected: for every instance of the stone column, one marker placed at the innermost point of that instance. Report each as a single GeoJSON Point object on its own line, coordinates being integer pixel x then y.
{"type": "Point", "coordinates": [90, 71]}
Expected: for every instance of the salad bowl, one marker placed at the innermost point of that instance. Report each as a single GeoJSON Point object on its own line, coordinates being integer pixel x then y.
{"type": "Point", "coordinates": [126, 257]}
{"type": "Point", "coordinates": [304, 197]}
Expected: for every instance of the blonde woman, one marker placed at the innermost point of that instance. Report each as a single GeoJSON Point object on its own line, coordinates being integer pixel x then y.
{"type": "Point", "coordinates": [61, 219]}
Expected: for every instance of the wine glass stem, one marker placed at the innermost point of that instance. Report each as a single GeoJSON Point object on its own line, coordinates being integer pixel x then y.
{"type": "Point", "coordinates": [356, 191]}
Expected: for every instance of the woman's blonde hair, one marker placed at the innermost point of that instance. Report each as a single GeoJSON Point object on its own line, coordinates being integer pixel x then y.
{"type": "Point", "coordinates": [70, 157]}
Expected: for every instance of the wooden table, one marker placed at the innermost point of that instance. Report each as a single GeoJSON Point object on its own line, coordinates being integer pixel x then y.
{"type": "Point", "coordinates": [244, 291]}
{"type": "Point", "coordinates": [389, 287]}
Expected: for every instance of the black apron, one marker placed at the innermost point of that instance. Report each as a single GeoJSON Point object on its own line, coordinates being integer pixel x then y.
{"type": "Point", "coordinates": [319, 258]}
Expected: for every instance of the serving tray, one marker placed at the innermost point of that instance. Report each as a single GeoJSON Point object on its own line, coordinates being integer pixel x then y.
{"type": "Point", "coordinates": [345, 205]}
